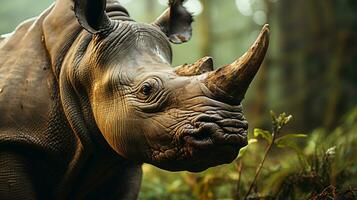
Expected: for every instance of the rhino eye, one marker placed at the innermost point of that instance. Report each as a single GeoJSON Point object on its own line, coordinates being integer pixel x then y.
{"type": "Point", "coordinates": [146, 89]}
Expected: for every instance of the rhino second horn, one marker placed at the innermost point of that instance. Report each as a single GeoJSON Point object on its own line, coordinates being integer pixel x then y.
{"type": "Point", "coordinates": [232, 81]}
{"type": "Point", "coordinates": [201, 66]}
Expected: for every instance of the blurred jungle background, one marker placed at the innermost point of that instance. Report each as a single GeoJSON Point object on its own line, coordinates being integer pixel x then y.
{"type": "Point", "coordinates": [310, 72]}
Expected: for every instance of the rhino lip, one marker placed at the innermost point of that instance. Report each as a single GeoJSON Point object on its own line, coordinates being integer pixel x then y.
{"type": "Point", "coordinates": [218, 132]}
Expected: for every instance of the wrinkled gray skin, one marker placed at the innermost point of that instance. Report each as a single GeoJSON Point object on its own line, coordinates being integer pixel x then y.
{"type": "Point", "coordinates": [85, 100]}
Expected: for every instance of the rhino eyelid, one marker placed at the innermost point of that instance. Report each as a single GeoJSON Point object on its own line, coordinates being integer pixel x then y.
{"type": "Point", "coordinates": [149, 89]}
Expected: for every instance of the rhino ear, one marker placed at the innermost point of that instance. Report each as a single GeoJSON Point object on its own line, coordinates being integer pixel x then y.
{"type": "Point", "coordinates": [175, 22]}
{"type": "Point", "coordinates": [91, 15]}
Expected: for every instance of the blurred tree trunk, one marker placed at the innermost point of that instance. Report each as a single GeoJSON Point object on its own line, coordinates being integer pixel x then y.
{"type": "Point", "coordinates": [314, 53]}
{"type": "Point", "coordinates": [332, 74]}
{"type": "Point", "coordinates": [205, 29]}
{"type": "Point", "coordinates": [260, 104]}
{"type": "Point", "coordinates": [333, 81]}
{"type": "Point", "coordinates": [291, 51]}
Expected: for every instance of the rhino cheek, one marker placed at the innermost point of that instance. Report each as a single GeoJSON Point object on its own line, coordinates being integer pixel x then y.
{"type": "Point", "coordinates": [159, 141]}
{"type": "Point", "coordinates": [110, 126]}
{"type": "Point", "coordinates": [109, 115]}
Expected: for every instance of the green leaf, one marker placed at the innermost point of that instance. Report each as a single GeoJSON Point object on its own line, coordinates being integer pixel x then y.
{"type": "Point", "coordinates": [252, 141]}
{"type": "Point", "coordinates": [286, 119]}
{"type": "Point", "coordinates": [244, 149]}
{"type": "Point", "coordinates": [242, 152]}
{"type": "Point", "coordinates": [264, 134]}
{"type": "Point", "coordinates": [288, 143]}
{"type": "Point", "coordinates": [281, 140]}
{"type": "Point", "coordinates": [279, 121]}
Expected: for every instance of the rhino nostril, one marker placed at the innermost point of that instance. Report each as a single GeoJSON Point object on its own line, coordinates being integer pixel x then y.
{"type": "Point", "coordinates": [206, 128]}
{"type": "Point", "coordinates": [202, 135]}
{"type": "Point", "coordinates": [197, 124]}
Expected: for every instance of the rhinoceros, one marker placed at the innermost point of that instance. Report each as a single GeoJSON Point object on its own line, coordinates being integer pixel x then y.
{"type": "Point", "coordinates": [87, 95]}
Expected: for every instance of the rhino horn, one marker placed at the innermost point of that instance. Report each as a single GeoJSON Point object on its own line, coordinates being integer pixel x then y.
{"type": "Point", "coordinates": [201, 66]}
{"type": "Point", "coordinates": [232, 81]}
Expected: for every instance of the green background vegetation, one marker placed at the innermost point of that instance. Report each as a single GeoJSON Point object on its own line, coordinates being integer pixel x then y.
{"type": "Point", "coordinates": [310, 72]}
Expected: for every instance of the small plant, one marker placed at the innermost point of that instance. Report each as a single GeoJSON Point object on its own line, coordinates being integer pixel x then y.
{"type": "Point", "coordinates": [272, 138]}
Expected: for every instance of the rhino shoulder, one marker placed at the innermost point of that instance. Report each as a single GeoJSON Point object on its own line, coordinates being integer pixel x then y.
{"type": "Point", "coordinates": [25, 78]}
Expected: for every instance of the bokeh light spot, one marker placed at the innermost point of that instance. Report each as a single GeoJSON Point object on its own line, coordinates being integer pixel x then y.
{"type": "Point", "coordinates": [260, 17]}
{"type": "Point", "coordinates": [245, 7]}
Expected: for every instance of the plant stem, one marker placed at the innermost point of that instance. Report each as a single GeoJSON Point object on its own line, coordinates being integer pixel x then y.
{"type": "Point", "coordinates": [267, 150]}
{"type": "Point", "coordinates": [239, 166]}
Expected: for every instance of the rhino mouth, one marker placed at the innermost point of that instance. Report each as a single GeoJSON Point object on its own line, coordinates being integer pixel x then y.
{"type": "Point", "coordinates": [211, 131]}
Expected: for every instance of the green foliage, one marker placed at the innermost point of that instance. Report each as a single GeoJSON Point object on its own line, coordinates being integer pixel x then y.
{"type": "Point", "coordinates": [320, 165]}
{"type": "Point", "coordinates": [160, 186]}
{"type": "Point", "coordinates": [12, 13]}
{"type": "Point", "coordinates": [264, 134]}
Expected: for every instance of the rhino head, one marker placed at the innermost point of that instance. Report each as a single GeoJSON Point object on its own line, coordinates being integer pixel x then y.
{"type": "Point", "coordinates": [184, 118]}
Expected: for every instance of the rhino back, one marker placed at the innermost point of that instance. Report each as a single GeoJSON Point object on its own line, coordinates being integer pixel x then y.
{"type": "Point", "coordinates": [31, 113]}
{"type": "Point", "coordinates": [23, 77]}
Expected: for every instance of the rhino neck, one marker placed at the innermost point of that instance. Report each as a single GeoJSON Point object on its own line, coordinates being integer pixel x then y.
{"type": "Point", "coordinates": [64, 39]}
{"type": "Point", "coordinates": [90, 175]}
{"type": "Point", "coordinates": [61, 28]}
